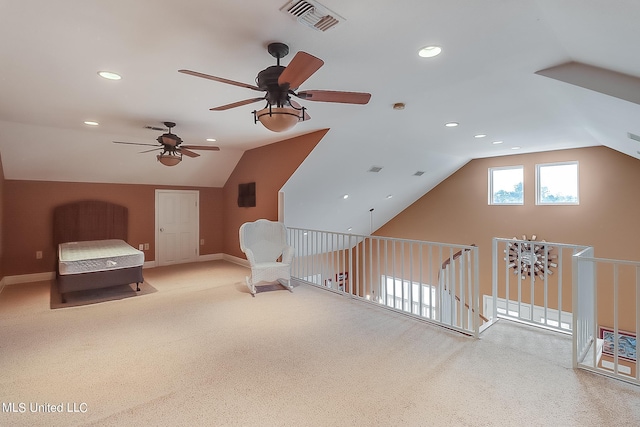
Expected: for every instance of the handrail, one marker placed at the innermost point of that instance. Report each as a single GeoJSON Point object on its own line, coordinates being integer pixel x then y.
{"type": "Point", "coordinates": [396, 274]}
{"type": "Point", "coordinates": [595, 325]}
{"type": "Point", "coordinates": [445, 264]}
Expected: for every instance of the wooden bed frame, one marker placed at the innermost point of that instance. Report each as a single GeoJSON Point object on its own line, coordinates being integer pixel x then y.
{"type": "Point", "coordinates": [92, 220]}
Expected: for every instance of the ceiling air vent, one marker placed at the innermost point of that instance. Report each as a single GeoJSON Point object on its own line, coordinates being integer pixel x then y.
{"type": "Point", "coordinates": [633, 136]}
{"type": "Point", "coordinates": [312, 14]}
{"type": "Point", "coordinates": [156, 128]}
{"type": "Point", "coordinates": [375, 169]}
{"type": "Point", "coordinates": [419, 173]}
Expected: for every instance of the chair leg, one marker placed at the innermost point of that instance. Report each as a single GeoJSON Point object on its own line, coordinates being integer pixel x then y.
{"type": "Point", "coordinates": [250, 285]}
{"type": "Point", "coordinates": [286, 284]}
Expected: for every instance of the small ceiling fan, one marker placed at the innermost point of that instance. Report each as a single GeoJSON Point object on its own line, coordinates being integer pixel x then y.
{"type": "Point", "coordinates": [172, 148]}
{"type": "Point", "coordinates": [280, 83]}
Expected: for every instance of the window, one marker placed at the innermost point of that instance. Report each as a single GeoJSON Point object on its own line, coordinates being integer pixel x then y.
{"type": "Point", "coordinates": [398, 294]}
{"type": "Point", "coordinates": [505, 186]}
{"type": "Point", "coordinates": [557, 184]}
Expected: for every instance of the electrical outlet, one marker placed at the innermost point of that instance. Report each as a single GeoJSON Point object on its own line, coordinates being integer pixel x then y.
{"type": "Point", "coordinates": [141, 247]}
{"type": "Point", "coordinates": [201, 242]}
{"type": "Point", "coordinates": [146, 246]}
{"type": "Point", "coordinates": [38, 254]}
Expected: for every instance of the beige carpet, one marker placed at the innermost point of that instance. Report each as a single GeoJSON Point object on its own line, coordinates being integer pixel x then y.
{"type": "Point", "coordinates": [202, 351]}
{"type": "Point", "coordinates": [97, 296]}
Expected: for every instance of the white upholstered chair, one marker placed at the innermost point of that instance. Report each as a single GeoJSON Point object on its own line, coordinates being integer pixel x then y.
{"type": "Point", "coordinates": [264, 242]}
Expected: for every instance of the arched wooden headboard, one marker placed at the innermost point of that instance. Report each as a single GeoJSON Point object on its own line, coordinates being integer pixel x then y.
{"type": "Point", "coordinates": [89, 220]}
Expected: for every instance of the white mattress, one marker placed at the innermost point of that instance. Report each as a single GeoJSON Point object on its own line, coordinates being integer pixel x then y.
{"type": "Point", "coordinates": [97, 255]}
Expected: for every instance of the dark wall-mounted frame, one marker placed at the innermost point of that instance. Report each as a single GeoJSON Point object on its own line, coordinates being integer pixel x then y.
{"type": "Point", "coordinates": [247, 195]}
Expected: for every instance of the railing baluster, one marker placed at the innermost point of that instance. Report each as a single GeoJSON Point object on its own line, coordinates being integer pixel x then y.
{"type": "Point", "coordinates": [615, 319]}
{"type": "Point", "coordinates": [430, 299]}
{"type": "Point", "coordinates": [545, 283]}
{"type": "Point", "coordinates": [421, 281]}
{"type": "Point", "coordinates": [560, 282]}
{"type": "Point", "coordinates": [323, 256]}
{"type": "Point", "coordinates": [637, 270]}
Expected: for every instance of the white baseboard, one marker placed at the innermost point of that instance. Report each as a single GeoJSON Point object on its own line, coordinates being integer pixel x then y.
{"type": "Point", "coordinates": [210, 257]}
{"type": "Point", "coordinates": [38, 277]}
{"type": "Point", "coordinates": [201, 258]}
{"type": "Point", "coordinates": [28, 278]}
{"type": "Point", "coordinates": [234, 259]}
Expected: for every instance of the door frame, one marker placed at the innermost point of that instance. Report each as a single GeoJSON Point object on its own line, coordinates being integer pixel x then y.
{"type": "Point", "coordinates": [157, 220]}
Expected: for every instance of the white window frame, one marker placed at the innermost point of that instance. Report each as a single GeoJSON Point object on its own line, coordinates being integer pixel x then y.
{"type": "Point", "coordinates": [397, 293]}
{"type": "Point", "coordinates": [539, 187]}
{"type": "Point", "coordinates": [491, 170]}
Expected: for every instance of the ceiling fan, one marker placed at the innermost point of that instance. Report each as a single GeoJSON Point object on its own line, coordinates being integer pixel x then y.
{"type": "Point", "coordinates": [280, 83]}
{"type": "Point", "coordinates": [172, 148]}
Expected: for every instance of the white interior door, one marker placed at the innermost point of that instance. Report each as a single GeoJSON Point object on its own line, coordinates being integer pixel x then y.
{"type": "Point", "coordinates": [177, 226]}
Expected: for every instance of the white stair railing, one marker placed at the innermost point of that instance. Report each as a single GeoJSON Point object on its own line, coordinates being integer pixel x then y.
{"type": "Point", "coordinates": [606, 316]}
{"type": "Point", "coordinates": [532, 282]}
{"type": "Point", "coordinates": [396, 274]}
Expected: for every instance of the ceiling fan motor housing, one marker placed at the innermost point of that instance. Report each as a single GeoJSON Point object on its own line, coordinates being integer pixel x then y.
{"type": "Point", "coordinates": [169, 139]}
{"type": "Point", "coordinates": [267, 80]}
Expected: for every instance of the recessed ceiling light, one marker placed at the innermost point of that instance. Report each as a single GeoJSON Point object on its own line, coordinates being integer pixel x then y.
{"type": "Point", "coordinates": [480, 135]}
{"type": "Point", "coordinates": [389, 196]}
{"type": "Point", "coordinates": [346, 196]}
{"type": "Point", "coordinates": [91, 123]}
{"type": "Point", "coordinates": [497, 142]}
{"type": "Point", "coordinates": [515, 148]}
{"type": "Point", "coordinates": [451, 124]}
{"type": "Point", "coordinates": [430, 51]}
{"type": "Point", "coordinates": [211, 139]}
{"type": "Point", "coordinates": [350, 228]}
{"type": "Point", "coordinates": [109, 75]}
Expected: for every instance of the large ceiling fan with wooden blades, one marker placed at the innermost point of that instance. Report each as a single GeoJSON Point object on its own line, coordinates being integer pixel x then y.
{"type": "Point", "coordinates": [172, 148]}
{"type": "Point", "coordinates": [280, 83]}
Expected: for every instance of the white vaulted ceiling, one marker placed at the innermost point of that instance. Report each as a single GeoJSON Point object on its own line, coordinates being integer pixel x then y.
{"type": "Point", "coordinates": [489, 78]}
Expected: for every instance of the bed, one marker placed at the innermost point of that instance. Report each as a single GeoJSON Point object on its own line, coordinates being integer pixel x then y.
{"type": "Point", "coordinates": [90, 237]}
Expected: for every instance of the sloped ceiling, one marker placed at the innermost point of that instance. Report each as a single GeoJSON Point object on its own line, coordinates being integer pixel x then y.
{"type": "Point", "coordinates": [490, 78]}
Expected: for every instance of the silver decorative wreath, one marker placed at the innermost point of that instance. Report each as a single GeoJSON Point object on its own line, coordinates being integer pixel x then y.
{"type": "Point", "coordinates": [529, 257]}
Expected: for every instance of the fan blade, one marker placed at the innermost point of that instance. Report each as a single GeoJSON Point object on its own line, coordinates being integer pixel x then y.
{"type": "Point", "coordinates": [220, 79]}
{"type": "Point", "coordinates": [301, 67]}
{"type": "Point", "coordinates": [201, 147]}
{"type": "Point", "coordinates": [135, 143]}
{"type": "Point", "coordinates": [335, 96]}
{"type": "Point", "coordinates": [236, 104]}
{"type": "Point", "coordinates": [186, 152]}
{"type": "Point", "coordinates": [297, 106]}
{"type": "Point", "coordinates": [148, 151]}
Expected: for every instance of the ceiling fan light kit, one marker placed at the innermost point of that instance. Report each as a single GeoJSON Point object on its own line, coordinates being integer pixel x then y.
{"type": "Point", "coordinates": [169, 159]}
{"type": "Point", "coordinates": [278, 119]}
{"type": "Point", "coordinates": [280, 83]}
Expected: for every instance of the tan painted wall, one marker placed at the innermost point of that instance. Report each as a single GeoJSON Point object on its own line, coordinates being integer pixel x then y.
{"type": "Point", "coordinates": [28, 218]}
{"type": "Point", "coordinates": [1, 220]}
{"type": "Point", "coordinates": [269, 167]}
{"type": "Point", "coordinates": [26, 207]}
{"type": "Point", "coordinates": [457, 211]}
